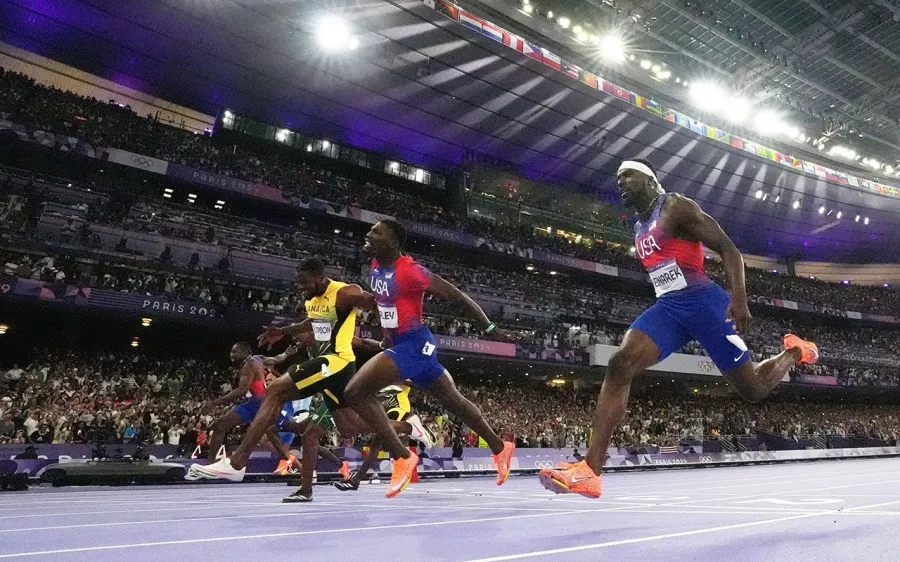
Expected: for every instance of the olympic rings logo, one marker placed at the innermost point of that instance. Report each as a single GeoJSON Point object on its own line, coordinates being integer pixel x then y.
{"type": "Point", "coordinates": [706, 366]}
{"type": "Point", "coordinates": [543, 464]}
{"type": "Point", "coordinates": [141, 161]}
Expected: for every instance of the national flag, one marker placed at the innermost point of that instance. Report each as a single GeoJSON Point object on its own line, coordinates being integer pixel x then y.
{"type": "Point", "coordinates": [492, 31]}
{"type": "Point", "coordinates": [532, 51]}
{"type": "Point", "coordinates": [570, 69]}
{"type": "Point", "coordinates": [551, 60]}
{"type": "Point", "coordinates": [588, 78]}
{"type": "Point", "coordinates": [737, 142]}
{"type": "Point", "coordinates": [618, 91]}
{"type": "Point", "coordinates": [783, 159]}
{"type": "Point", "coordinates": [513, 41]}
{"type": "Point", "coordinates": [470, 21]}
{"type": "Point", "coordinates": [697, 126]}
{"type": "Point", "coordinates": [722, 136]}
{"type": "Point", "coordinates": [763, 151]}
{"type": "Point", "coordinates": [891, 190]}
{"type": "Point", "coordinates": [808, 167]}
{"type": "Point", "coordinates": [852, 181]}
{"type": "Point", "coordinates": [654, 107]}
{"type": "Point", "coordinates": [820, 171]}
{"type": "Point", "coordinates": [796, 163]}
{"type": "Point", "coordinates": [667, 450]}
{"type": "Point", "coordinates": [670, 116]}
{"type": "Point", "coordinates": [448, 8]}
{"type": "Point", "coordinates": [711, 131]}
{"type": "Point", "coordinates": [683, 120]}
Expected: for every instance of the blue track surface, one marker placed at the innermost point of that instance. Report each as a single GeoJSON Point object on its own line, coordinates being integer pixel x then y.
{"type": "Point", "coordinates": [836, 510]}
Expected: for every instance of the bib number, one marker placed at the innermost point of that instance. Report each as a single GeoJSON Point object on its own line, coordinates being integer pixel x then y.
{"type": "Point", "coordinates": [388, 316]}
{"type": "Point", "coordinates": [321, 329]}
{"type": "Point", "coordinates": [667, 277]}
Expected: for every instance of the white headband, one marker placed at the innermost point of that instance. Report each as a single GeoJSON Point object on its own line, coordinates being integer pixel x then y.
{"type": "Point", "coordinates": [638, 167]}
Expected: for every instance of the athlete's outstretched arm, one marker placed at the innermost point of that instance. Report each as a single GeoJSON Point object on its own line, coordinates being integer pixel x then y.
{"type": "Point", "coordinates": [274, 334]}
{"type": "Point", "coordinates": [250, 371]}
{"type": "Point", "coordinates": [352, 296]}
{"type": "Point", "coordinates": [691, 220]}
{"type": "Point", "coordinates": [442, 288]}
{"type": "Point", "coordinates": [367, 344]}
{"type": "Point", "coordinates": [281, 357]}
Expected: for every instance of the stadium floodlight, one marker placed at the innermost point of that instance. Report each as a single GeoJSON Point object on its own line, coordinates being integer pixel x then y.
{"type": "Point", "coordinates": [768, 122]}
{"type": "Point", "coordinates": [708, 96]}
{"type": "Point", "coordinates": [664, 75]}
{"type": "Point", "coordinates": [577, 29]}
{"type": "Point", "coordinates": [528, 8]}
{"type": "Point", "coordinates": [737, 109]}
{"type": "Point", "coordinates": [759, 193]}
{"type": "Point", "coordinates": [550, 14]}
{"type": "Point", "coordinates": [645, 64]}
{"type": "Point", "coordinates": [281, 135]}
{"type": "Point", "coordinates": [613, 48]}
{"type": "Point", "coordinates": [796, 204]}
{"type": "Point", "coordinates": [334, 35]}
{"type": "Point", "coordinates": [582, 36]}
{"type": "Point", "coordinates": [866, 220]}
{"type": "Point", "coordinates": [857, 218]}
{"type": "Point", "coordinates": [840, 214]}
{"type": "Point", "coordinates": [822, 210]}
{"type": "Point", "coordinates": [565, 22]}
{"type": "Point", "coordinates": [656, 68]}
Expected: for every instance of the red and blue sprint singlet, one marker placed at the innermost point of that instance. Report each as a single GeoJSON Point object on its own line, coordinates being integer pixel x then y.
{"type": "Point", "coordinates": [673, 264]}
{"type": "Point", "coordinates": [689, 305]}
{"type": "Point", "coordinates": [399, 290]}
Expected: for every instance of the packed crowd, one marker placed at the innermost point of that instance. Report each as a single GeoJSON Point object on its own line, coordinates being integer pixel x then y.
{"type": "Point", "coordinates": [24, 101]}
{"type": "Point", "coordinates": [69, 397]}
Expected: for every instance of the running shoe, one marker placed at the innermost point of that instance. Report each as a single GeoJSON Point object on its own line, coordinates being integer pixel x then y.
{"type": "Point", "coordinates": [220, 470]}
{"type": "Point", "coordinates": [419, 433]}
{"type": "Point", "coordinates": [503, 462]}
{"type": "Point", "coordinates": [580, 479]}
{"type": "Point", "coordinates": [192, 474]}
{"type": "Point", "coordinates": [285, 465]}
{"type": "Point", "coordinates": [299, 496]}
{"type": "Point", "coordinates": [348, 484]}
{"type": "Point", "coordinates": [344, 471]}
{"type": "Point", "coordinates": [402, 474]}
{"type": "Point", "coordinates": [809, 352]}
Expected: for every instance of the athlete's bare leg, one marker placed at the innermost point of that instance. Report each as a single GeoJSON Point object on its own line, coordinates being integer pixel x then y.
{"type": "Point", "coordinates": [375, 374]}
{"type": "Point", "coordinates": [445, 389]}
{"type": "Point", "coordinates": [218, 433]}
{"type": "Point", "coordinates": [637, 353]}
{"type": "Point", "coordinates": [281, 391]}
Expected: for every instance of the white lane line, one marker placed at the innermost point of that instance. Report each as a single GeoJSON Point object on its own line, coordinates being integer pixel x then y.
{"type": "Point", "coordinates": [281, 535]}
{"type": "Point", "coordinates": [665, 536]}
{"type": "Point", "coordinates": [380, 507]}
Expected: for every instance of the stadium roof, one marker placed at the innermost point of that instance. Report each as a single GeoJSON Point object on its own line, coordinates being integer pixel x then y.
{"type": "Point", "coordinates": [424, 89]}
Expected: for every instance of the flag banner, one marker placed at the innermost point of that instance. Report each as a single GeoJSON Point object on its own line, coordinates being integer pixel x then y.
{"type": "Point", "coordinates": [470, 21]}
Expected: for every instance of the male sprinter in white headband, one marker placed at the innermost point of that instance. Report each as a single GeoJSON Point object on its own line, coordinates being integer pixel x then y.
{"type": "Point", "coordinates": [669, 238]}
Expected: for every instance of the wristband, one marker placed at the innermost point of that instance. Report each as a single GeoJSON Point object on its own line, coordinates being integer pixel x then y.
{"type": "Point", "coordinates": [491, 327]}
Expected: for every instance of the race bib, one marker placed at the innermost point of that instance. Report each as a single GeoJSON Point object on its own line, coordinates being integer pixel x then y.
{"type": "Point", "coordinates": [321, 329]}
{"type": "Point", "coordinates": [388, 316]}
{"type": "Point", "coordinates": [667, 277]}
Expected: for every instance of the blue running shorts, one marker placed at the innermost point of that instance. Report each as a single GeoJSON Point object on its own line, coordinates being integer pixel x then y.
{"type": "Point", "coordinates": [695, 314]}
{"type": "Point", "coordinates": [248, 409]}
{"type": "Point", "coordinates": [415, 354]}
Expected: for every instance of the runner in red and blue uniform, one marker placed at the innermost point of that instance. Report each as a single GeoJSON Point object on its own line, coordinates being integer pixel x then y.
{"type": "Point", "coordinates": [398, 285]}
{"type": "Point", "coordinates": [252, 387]}
{"type": "Point", "coordinates": [669, 238]}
